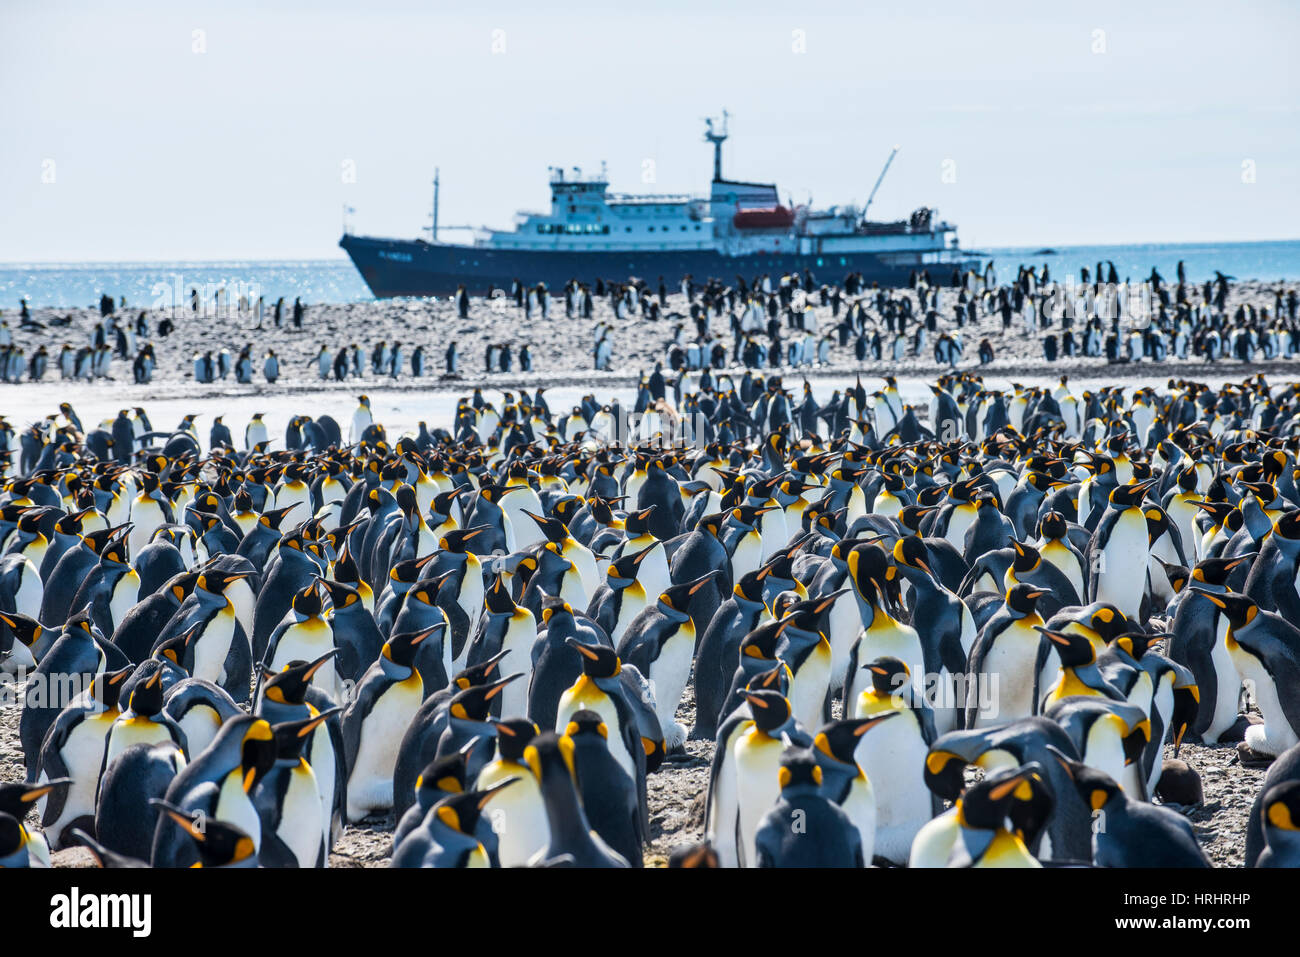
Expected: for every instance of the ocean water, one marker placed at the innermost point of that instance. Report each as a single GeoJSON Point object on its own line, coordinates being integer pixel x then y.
{"type": "Point", "coordinates": [1266, 261]}
{"type": "Point", "coordinates": [163, 284]}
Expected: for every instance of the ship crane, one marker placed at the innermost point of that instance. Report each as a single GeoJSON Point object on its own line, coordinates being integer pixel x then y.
{"type": "Point", "coordinates": [879, 179]}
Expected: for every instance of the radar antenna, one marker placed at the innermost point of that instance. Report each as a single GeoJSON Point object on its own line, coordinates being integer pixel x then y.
{"type": "Point", "coordinates": [717, 139]}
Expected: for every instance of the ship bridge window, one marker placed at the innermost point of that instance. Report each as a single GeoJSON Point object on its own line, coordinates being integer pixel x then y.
{"type": "Point", "coordinates": [573, 229]}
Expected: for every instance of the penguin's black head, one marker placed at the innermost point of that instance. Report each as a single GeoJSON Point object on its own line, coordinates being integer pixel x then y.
{"type": "Point", "coordinates": [445, 775]}
{"type": "Point", "coordinates": [987, 804]}
{"type": "Point", "coordinates": [341, 594]}
{"type": "Point", "coordinates": [1053, 526]}
{"type": "Point", "coordinates": [24, 629]}
{"type": "Point", "coordinates": [409, 570]}
{"type": "Point", "coordinates": [440, 507]}
{"type": "Point", "coordinates": [1288, 525]}
{"type": "Point", "coordinates": [586, 722]}
{"type": "Point", "coordinates": [513, 737]}
{"type": "Point", "coordinates": [457, 540]}
{"type": "Point", "coordinates": [17, 799]}
{"type": "Point", "coordinates": [762, 642]}
{"type": "Point", "coordinates": [945, 770]}
{"type": "Point", "coordinates": [289, 686]}
{"type": "Point", "coordinates": [147, 696]}
{"type": "Point", "coordinates": [475, 702]}
{"type": "Point", "coordinates": [1073, 649]}
{"type": "Point", "coordinates": [679, 597]}
{"type": "Point", "coordinates": [12, 835]}
{"type": "Point", "coordinates": [1280, 809]}
{"type": "Point", "coordinates": [1131, 495]}
{"type": "Point", "coordinates": [107, 687]}
{"type": "Point", "coordinates": [402, 649]}
{"type": "Point", "coordinates": [776, 678]}
{"type": "Point", "coordinates": [219, 844]}
{"type": "Point", "coordinates": [1136, 643]}
{"type": "Point", "coordinates": [256, 752]}
{"type": "Point", "coordinates": [911, 515]}
{"type": "Point", "coordinates": [553, 529]}
{"type": "Point", "coordinates": [1237, 608]}
{"type": "Point", "coordinates": [700, 855]}
{"type": "Point", "coordinates": [770, 709]}
{"type": "Point", "coordinates": [1023, 598]}
{"type": "Point", "coordinates": [910, 552]}
{"type": "Point", "coordinates": [1095, 787]}
{"type": "Point", "coordinates": [888, 674]}
{"type": "Point", "coordinates": [638, 523]}
{"type": "Point", "coordinates": [290, 736]}
{"type": "Point", "coordinates": [871, 571]}
{"type": "Point", "coordinates": [497, 597]}
{"type": "Point", "coordinates": [1217, 510]}
{"type": "Point", "coordinates": [598, 661]}
{"type": "Point", "coordinates": [810, 615]}
{"type": "Point", "coordinates": [840, 739]}
{"type": "Point", "coordinates": [1027, 556]}
{"type": "Point", "coordinates": [799, 769]}
{"type": "Point", "coordinates": [548, 754]}
{"type": "Point", "coordinates": [308, 603]}
{"type": "Point", "coordinates": [481, 673]}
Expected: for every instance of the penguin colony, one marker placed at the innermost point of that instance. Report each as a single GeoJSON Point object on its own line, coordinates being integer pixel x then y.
{"type": "Point", "coordinates": [967, 644]}
{"type": "Point", "coordinates": [764, 322]}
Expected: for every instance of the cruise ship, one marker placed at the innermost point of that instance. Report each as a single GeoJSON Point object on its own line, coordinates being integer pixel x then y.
{"type": "Point", "coordinates": [739, 228]}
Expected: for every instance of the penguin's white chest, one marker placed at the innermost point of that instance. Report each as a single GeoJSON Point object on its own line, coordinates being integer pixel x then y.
{"type": "Point", "coordinates": [961, 519]}
{"type": "Point", "coordinates": [132, 731]}
{"type": "Point", "coordinates": [200, 724]}
{"type": "Point", "coordinates": [668, 672]}
{"type": "Point", "coordinates": [1011, 662]}
{"type": "Point", "coordinates": [811, 681]}
{"type": "Point", "coordinates": [213, 645]}
{"type": "Point", "coordinates": [934, 842]}
{"type": "Point", "coordinates": [585, 694]}
{"type": "Point", "coordinates": [126, 591]}
{"type": "Point", "coordinates": [301, 827]}
{"type": "Point", "coordinates": [83, 756]}
{"type": "Point", "coordinates": [234, 807]}
{"type": "Point", "coordinates": [1227, 693]}
{"type": "Point", "coordinates": [370, 781]}
{"type": "Point", "coordinates": [518, 645]}
{"type": "Point", "coordinates": [30, 593]}
{"type": "Point", "coordinates": [1121, 577]}
{"type": "Point", "coordinates": [306, 641]}
{"type": "Point", "coordinates": [1275, 735]}
{"type": "Point", "coordinates": [517, 814]}
{"type": "Point", "coordinates": [758, 761]}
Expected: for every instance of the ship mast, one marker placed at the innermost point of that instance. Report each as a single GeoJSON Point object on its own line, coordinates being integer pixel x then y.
{"type": "Point", "coordinates": [717, 139]}
{"type": "Point", "coordinates": [433, 216]}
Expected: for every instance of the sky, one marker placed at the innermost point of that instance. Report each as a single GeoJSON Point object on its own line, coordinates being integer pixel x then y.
{"type": "Point", "coordinates": [240, 130]}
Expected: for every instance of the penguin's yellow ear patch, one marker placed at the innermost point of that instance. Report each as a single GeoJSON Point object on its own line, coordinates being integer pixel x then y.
{"type": "Point", "coordinates": [1279, 815]}
{"type": "Point", "coordinates": [1097, 799]}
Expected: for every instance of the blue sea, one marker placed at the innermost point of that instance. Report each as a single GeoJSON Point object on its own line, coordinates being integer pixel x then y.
{"type": "Point", "coordinates": [336, 280]}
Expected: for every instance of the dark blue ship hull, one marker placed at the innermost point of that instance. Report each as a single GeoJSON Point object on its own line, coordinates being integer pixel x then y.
{"type": "Point", "coordinates": [400, 267]}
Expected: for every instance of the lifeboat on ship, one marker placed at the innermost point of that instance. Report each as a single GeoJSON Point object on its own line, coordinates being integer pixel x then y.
{"type": "Point", "coordinates": [764, 217]}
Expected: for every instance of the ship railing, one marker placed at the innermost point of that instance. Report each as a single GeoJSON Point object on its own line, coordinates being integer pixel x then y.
{"type": "Point", "coordinates": [628, 199]}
